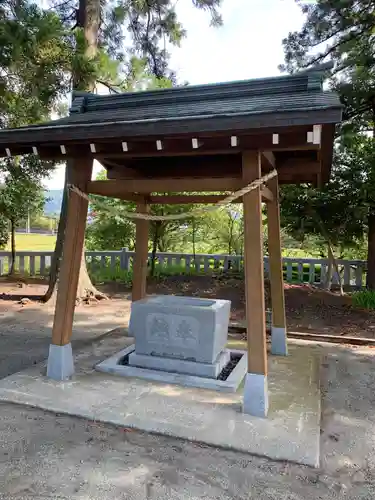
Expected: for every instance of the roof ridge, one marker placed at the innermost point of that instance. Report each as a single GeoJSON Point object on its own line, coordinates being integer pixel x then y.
{"type": "Point", "coordinates": [284, 84]}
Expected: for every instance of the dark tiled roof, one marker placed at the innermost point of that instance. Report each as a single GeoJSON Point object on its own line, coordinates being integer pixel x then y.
{"type": "Point", "coordinates": [265, 95]}
{"type": "Point", "coordinates": [284, 100]}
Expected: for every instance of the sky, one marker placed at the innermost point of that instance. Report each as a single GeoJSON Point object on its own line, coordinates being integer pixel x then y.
{"type": "Point", "coordinates": [248, 45]}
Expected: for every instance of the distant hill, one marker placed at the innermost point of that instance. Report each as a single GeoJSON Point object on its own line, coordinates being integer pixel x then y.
{"type": "Point", "coordinates": [53, 204]}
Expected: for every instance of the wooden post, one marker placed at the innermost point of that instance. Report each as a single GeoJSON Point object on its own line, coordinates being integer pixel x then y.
{"type": "Point", "coordinates": [141, 254]}
{"type": "Point", "coordinates": [60, 360]}
{"type": "Point", "coordinates": [256, 391]}
{"type": "Point", "coordinates": [279, 341]}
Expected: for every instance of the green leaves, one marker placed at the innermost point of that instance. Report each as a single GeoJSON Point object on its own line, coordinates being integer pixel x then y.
{"type": "Point", "coordinates": [339, 31]}
{"type": "Point", "coordinates": [130, 28]}
{"type": "Point", "coordinates": [22, 191]}
{"type": "Point", "coordinates": [33, 62]}
{"type": "Point", "coordinates": [342, 205]}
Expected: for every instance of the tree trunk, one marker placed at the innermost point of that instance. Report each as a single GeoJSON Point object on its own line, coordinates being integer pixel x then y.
{"type": "Point", "coordinates": [370, 280]}
{"type": "Point", "coordinates": [57, 255]}
{"type": "Point", "coordinates": [329, 276]}
{"type": "Point", "coordinates": [193, 235]}
{"type": "Point", "coordinates": [333, 266]}
{"type": "Point", "coordinates": [154, 247]}
{"type": "Point", "coordinates": [13, 247]}
{"type": "Point", "coordinates": [86, 291]}
{"type": "Point", "coordinates": [88, 18]}
{"type": "Point", "coordinates": [231, 226]}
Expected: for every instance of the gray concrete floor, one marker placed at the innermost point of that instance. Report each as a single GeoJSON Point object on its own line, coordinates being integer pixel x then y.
{"type": "Point", "coordinates": [43, 455]}
{"type": "Point", "coordinates": [292, 428]}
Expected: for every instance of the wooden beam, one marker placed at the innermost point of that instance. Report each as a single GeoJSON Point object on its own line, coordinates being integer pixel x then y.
{"type": "Point", "coordinates": [71, 259]}
{"type": "Point", "coordinates": [187, 199]}
{"type": "Point", "coordinates": [279, 345]}
{"type": "Point", "coordinates": [211, 166]}
{"type": "Point", "coordinates": [141, 254]}
{"type": "Point", "coordinates": [326, 151]}
{"type": "Point", "coordinates": [178, 166]}
{"type": "Point", "coordinates": [116, 188]}
{"type": "Point", "coordinates": [269, 158]}
{"type": "Point", "coordinates": [254, 279]}
{"type": "Point", "coordinates": [290, 138]}
{"type": "Point", "coordinates": [298, 166]}
{"type": "Point", "coordinates": [136, 198]}
{"type": "Point", "coordinates": [266, 193]}
{"type": "Point", "coordinates": [203, 199]}
{"type": "Point", "coordinates": [114, 171]}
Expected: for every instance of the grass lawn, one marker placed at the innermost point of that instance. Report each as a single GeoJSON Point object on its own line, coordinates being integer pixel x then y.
{"type": "Point", "coordinates": [43, 242]}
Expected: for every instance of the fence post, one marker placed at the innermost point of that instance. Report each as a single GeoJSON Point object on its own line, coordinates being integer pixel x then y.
{"type": "Point", "coordinates": [42, 265]}
{"type": "Point", "coordinates": [358, 276]}
{"type": "Point", "coordinates": [312, 273]}
{"type": "Point", "coordinates": [124, 258]}
{"type": "Point", "coordinates": [300, 270]}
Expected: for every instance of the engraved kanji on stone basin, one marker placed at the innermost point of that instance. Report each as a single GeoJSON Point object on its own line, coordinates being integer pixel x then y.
{"type": "Point", "coordinates": [180, 334]}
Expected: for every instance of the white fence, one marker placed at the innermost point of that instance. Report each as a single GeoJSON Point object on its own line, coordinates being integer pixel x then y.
{"type": "Point", "coordinates": [296, 270]}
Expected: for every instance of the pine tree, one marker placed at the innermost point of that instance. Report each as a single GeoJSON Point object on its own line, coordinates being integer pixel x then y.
{"type": "Point", "coordinates": [34, 57]}
{"type": "Point", "coordinates": [341, 32]}
{"type": "Point", "coordinates": [99, 30]}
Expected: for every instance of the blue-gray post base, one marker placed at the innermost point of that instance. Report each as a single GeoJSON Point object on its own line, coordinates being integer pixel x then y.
{"type": "Point", "coordinates": [60, 364]}
{"type": "Point", "coordinates": [255, 396]}
{"type": "Point", "coordinates": [279, 344]}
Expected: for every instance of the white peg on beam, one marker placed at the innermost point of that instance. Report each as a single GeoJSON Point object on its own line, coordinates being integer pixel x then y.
{"type": "Point", "coordinates": [275, 138]}
{"type": "Point", "coordinates": [234, 141]}
{"type": "Point", "coordinates": [159, 145]}
{"type": "Point", "coordinates": [9, 154]}
{"type": "Point", "coordinates": [125, 146]}
{"type": "Point", "coordinates": [194, 143]}
{"type": "Point", "coordinates": [310, 137]}
{"type": "Point", "coordinates": [92, 148]}
{"type": "Point", "coordinates": [35, 150]}
{"type": "Point", "coordinates": [63, 149]}
{"type": "Point", "coordinates": [317, 129]}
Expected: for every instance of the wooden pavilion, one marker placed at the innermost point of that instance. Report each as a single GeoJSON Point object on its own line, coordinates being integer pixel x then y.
{"type": "Point", "coordinates": [202, 138]}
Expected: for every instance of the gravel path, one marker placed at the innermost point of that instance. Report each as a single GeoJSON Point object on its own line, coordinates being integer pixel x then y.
{"type": "Point", "coordinates": [47, 456]}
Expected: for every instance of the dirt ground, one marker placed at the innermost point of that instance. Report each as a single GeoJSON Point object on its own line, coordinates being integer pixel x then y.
{"type": "Point", "coordinates": [58, 457]}
{"type": "Point", "coordinates": [308, 309]}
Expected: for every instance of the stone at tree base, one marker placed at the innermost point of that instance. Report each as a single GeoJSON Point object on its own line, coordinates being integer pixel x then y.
{"type": "Point", "coordinates": [186, 328]}
{"type": "Point", "coordinates": [24, 301]}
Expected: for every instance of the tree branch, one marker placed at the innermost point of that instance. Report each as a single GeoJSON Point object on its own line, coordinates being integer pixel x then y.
{"type": "Point", "coordinates": [108, 85]}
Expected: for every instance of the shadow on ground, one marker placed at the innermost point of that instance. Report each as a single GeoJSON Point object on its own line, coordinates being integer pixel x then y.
{"type": "Point", "coordinates": [25, 332]}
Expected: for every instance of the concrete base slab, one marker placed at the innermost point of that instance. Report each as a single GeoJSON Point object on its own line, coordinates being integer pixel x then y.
{"type": "Point", "coordinates": [290, 432]}
{"type": "Point", "coordinates": [279, 344]}
{"type": "Point", "coordinates": [115, 366]}
{"type": "Point", "coordinates": [208, 370]}
{"type": "Point", "coordinates": [255, 398]}
{"type": "Point", "coordinates": [60, 364]}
